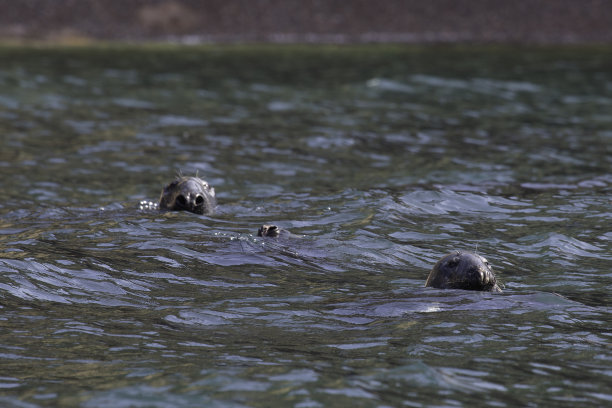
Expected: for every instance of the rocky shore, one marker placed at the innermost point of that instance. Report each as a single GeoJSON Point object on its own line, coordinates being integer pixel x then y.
{"type": "Point", "coordinates": [305, 21]}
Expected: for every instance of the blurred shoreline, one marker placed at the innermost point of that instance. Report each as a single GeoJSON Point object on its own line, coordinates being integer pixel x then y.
{"type": "Point", "coordinates": [307, 21]}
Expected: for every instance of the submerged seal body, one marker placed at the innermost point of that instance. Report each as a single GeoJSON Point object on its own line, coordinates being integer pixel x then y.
{"type": "Point", "coordinates": [463, 270]}
{"type": "Point", "coordinates": [188, 194]}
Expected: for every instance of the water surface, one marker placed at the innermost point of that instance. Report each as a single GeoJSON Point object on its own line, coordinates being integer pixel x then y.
{"type": "Point", "coordinates": [379, 160]}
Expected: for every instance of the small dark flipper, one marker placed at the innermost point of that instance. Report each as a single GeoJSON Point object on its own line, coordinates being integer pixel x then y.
{"type": "Point", "coordinates": [268, 230]}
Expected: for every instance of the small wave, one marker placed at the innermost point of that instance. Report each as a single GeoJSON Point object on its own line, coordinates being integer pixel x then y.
{"type": "Point", "coordinates": [174, 120]}
{"type": "Point", "coordinates": [132, 103]}
{"type": "Point", "coordinates": [388, 85]}
{"type": "Point", "coordinates": [448, 202]}
{"type": "Point", "coordinates": [566, 246]}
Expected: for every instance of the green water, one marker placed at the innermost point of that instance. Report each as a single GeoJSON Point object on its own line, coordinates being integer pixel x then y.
{"type": "Point", "coordinates": [378, 159]}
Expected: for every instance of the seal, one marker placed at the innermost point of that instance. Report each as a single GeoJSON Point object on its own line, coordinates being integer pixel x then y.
{"type": "Point", "coordinates": [463, 270]}
{"type": "Point", "coordinates": [188, 194]}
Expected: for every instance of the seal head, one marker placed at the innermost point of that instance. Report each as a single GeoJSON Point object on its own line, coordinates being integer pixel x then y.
{"type": "Point", "coordinates": [188, 194]}
{"type": "Point", "coordinates": [463, 270]}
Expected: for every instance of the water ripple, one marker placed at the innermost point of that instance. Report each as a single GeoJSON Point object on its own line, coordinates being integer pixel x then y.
{"type": "Point", "coordinates": [377, 163]}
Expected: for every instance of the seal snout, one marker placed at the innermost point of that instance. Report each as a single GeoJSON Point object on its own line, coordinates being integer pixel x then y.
{"type": "Point", "coordinates": [190, 202]}
{"type": "Point", "coordinates": [188, 194]}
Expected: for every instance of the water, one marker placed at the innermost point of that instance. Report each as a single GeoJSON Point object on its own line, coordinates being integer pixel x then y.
{"type": "Point", "coordinates": [379, 160]}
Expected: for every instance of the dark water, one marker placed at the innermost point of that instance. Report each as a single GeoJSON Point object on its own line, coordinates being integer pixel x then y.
{"type": "Point", "coordinates": [378, 160]}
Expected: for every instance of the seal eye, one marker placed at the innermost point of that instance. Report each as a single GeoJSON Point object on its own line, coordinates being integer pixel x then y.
{"type": "Point", "coordinates": [181, 200]}
{"type": "Point", "coordinates": [199, 200]}
{"type": "Point", "coordinates": [171, 185]}
{"type": "Point", "coordinates": [453, 262]}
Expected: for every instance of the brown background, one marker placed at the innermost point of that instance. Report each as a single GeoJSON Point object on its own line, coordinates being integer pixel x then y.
{"type": "Point", "coordinates": [328, 21]}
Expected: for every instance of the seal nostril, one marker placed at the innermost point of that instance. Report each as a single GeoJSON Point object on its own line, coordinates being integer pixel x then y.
{"type": "Point", "coordinates": [181, 200]}
{"type": "Point", "coordinates": [199, 200]}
